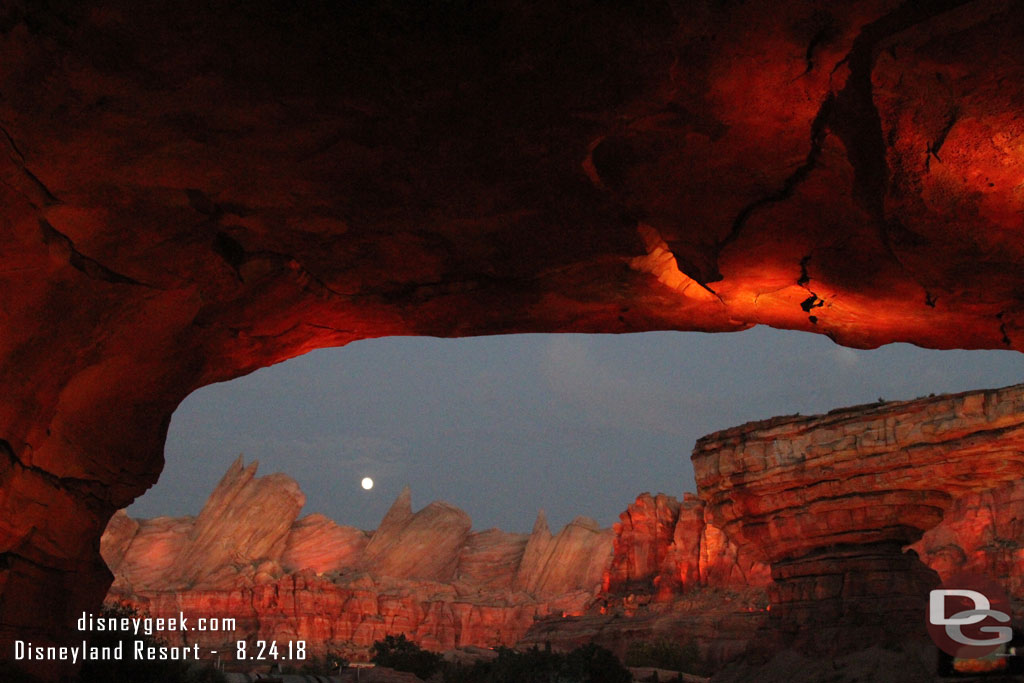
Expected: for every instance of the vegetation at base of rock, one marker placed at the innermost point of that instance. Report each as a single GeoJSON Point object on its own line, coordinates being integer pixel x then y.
{"type": "Point", "coordinates": [401, 654]}
{"type": "Point", "coordinates": [586, 664]}
{"type": "Point", "coordinates": [667, 654]}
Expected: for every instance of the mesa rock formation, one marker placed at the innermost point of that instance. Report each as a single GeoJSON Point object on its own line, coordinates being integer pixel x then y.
{"type": "Point", "coordinates": [189, 196]}
{"type": "Point", "coordinates": [830, 500]}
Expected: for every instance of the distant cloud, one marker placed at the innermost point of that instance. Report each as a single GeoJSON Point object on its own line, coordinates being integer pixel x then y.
{"type": "Point", "coordinates": [605, 393]}
{"type": "Point", "coordinates": [846, 356]}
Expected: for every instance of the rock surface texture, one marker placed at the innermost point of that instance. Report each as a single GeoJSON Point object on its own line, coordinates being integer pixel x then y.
{"type": "Point", "coordinates": [190, 195]}
{"type": "Point", "coordinates": [665, 548]}
{"type": "Point", "coordinates": [983, 533]}
{"type": "Point", "coordinates": [830, 500]}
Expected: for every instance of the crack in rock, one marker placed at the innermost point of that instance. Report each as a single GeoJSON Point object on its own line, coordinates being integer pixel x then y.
{"type": "Point", "coordinates": [82, 263]}
{"type": "Point", "coordinates": [819, 131]}
{"type": "Point", "coordinates": [852, 115]}
{"type": "Point", "coordinates": [235, 255]}
{"type": "Point", "coordinates": [857, 120]}
{"type": "Point", "coordinates": [91, 489]}
{"type": "Point", "coordinates": [36, 192]}
{"type": "Point", "coordinates": [935, 145]}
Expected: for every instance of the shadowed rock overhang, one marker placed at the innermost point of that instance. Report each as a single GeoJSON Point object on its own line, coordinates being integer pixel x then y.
{"type": "Point", "coordinates": [190, 195]}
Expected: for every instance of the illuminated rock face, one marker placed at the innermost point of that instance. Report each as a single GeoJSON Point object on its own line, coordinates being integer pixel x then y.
{"type": "Point", "coordinates": [574, 559]}
{"type": "Point", "coordinates": [424, 545]}
{"type": "Point", "coordinates": [348, 611]}
{"type": "Point", "coordinates": [665, 548]}
{"type": "Point", "coordinates": [426, 575]}
{"type": "Point", "coordinates": [189, 196]}
{"type": "Point", "coordinates": [829, 501]}
{"type": "Point", "coordinates": [983, 532]}
{"type": "Point", "coordinates": [316, 542]}
{"type": "Point", "coordinates": [492, 558]}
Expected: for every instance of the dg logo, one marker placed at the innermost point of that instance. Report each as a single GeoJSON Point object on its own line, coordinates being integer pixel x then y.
{"type": "Point", "coordinates": [969, 617]}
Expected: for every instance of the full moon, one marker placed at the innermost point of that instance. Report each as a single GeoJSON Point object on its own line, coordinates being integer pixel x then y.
{"type": "Point", "coordinates": [367, 483]}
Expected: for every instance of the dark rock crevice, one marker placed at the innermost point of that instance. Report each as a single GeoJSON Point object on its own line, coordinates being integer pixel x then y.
{"type": "Point", "coordinates": [819, 131]}
{"type": "Point", "coordinates": [36, 192]}
{"type": "Point", "coordinates": [87, 266]}
{"type": "Point", "coordinates": [86, 489]}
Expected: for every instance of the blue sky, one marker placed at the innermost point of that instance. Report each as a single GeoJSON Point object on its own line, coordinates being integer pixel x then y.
{"type": "Point", "coordinates": [503, 426]}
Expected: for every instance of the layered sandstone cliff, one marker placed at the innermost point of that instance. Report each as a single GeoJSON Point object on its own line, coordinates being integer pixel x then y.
{"type": "Point", "coordinates": [981, 533]}
{"type": "Point", "coordinates": [826, 502]}
{"type": "Point", "coordinates": [830, 500]}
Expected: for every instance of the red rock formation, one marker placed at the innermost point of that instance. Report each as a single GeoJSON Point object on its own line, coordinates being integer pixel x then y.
{"type": "Point", "coordinates": [189, 196]}
{"type": "Point", "coordinates": [422, 573]}
{"type": "Point", "coordinates": [155, 550]}
{"type": "Point", "coordinates": [573, 560]}
{"type": "Point", "coordinates": [983, 533]}
{"type": "Point", "coordinates": [425, 545]}
{"type": "Point", "coordinates": [120, 532]}
{"type": "Point", "coordinates": [721, 623]}
{"type": "Point", "coordinates": [830, 499]}
{"type": "Point", "coordinates": [337, 591]}
{"type": "Point", "coordinates": [245, 520]}
{"type": "Point", "coordinates": [669, 568]}
{"type": "Point", "coordinates": [316, 542]}
{"type": "Point", "coordinates": [535, 554]}
{"type": "Point", "coordinates": [492, 558]}
{"type": "Point", "coordinates": [665, 548]}
{"type": "Point", "coordinates": [348, 611]}
{"type": "Point", "coordinates": [642, 541]}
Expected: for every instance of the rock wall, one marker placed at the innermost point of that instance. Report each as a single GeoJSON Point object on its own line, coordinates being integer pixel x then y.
{"type": "Point", "coordinates": [666, 548]}
{"type": "Point", "coordinates": [660, 571]}
{"type": "Point", "coordinates": [982, 532]}
{"type": "Point", "coordinates": [830, 500]}
{"type": "Point", "coordinates": [574, 559]}
{"type": "Point", "coordinates": [318, 543]}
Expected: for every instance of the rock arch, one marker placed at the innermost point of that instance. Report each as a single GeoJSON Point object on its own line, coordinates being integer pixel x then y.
{"type": "Point", "coordinates": [190, 196]}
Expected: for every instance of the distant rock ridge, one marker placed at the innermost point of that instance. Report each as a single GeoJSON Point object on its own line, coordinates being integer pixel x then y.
{"type": "Point", "coordinates": [426, 573]}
